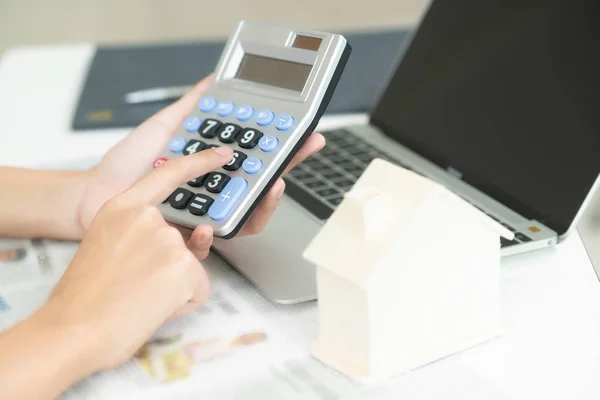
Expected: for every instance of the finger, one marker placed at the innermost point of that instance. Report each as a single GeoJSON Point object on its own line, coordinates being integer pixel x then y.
{"type": "Point", "coordinates": [201, 289]}
{"type": "Point", "coordinates": [162, 181]}
{"type": "Point", "coordinates": [261, 217]}
{"type": "Point", "coordinates": [200, 241]}
{"type": "Point", "coordinates": [186, 233]}
{"type": "Point", "coordinates": [314, 143]}
{"type": "Point", "coordinates": [171, 117]}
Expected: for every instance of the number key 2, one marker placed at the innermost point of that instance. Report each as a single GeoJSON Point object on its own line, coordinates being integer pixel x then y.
{"type": "Point", "coordinates": [215, 182]}
{"type": "Point", "coordinates": [228, 133]}
{"type": "Point", "coordinates": [249, 138]}
{"type": "Point", "coordinates": [209, 128]}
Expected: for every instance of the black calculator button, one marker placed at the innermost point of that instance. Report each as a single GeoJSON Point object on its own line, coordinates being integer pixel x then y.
{"type": "Point", "coordinates": [200, 204]}
{"type": "Point", "coordinates": [180, 198]}
{"type": "Point", "coordinates": [209, 128]}
{"type": "Point", "coordinates": [522, 237]}
{"type": "Point", "coordinates": [249, 138]}
{"type": "Point", "coordinates": [215, 182]}
{"type": "Point", "coordinates": [197, 182]}
{"type": "Point", "coordinates": [236, 161]}
{"type": "Point", "coordinates": [228, 133]}
{"type": "Point", "coordinates": [212, 146]}
{"type": "Point", "coordinates": [193, 147]}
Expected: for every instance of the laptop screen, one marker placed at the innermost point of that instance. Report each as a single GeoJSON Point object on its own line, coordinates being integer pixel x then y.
{"type": "Point", "coordinates": [506, 93]}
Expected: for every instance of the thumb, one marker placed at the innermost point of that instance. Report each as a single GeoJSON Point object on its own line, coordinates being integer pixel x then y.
{"type": "Point", "coordinates": [162, 181]}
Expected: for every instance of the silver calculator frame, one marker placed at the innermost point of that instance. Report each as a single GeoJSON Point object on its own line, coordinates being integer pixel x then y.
{"type": "Point", "coordinates": [307, 106]}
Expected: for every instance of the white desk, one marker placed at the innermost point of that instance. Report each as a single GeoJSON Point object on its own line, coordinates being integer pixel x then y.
{"type": "Point", "coordinates": [551, 299]}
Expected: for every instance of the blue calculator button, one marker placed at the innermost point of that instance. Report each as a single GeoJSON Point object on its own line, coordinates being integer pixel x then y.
{"type": "Point", "coordinates": [268, 143]}
{"type": "Point", "coordinates": [207, 104]}
{"type": "Point", "coordinates": [244, 113]}
{"type": "Point", "coordinates": [264, 117]}
{"type": "Point", "coordinates": [192, 124]}
{"type": "Point", "coordinates": [177, 144]}
{"type": "Point", "coordinates": [229, 197]}
{"type": "Point", "coordinates": [284, 122]}
{"type": "Point", "coordinates": [225, 108]}
{"type": "Point", "coordinates": [252, 165]}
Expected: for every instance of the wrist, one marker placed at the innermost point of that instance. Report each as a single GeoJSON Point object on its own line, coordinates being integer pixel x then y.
{"type": "Point", "coordinates": [72, 343]}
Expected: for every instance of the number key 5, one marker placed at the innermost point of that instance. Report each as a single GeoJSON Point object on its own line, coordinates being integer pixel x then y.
{"type": "Point", "coordinates": [249, 138]}
{"type": "Point", "coordinates": [215, 182]}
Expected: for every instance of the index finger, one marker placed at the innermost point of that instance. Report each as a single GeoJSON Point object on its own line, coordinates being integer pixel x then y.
{"type": "Point", "coordinates": [162, 181]}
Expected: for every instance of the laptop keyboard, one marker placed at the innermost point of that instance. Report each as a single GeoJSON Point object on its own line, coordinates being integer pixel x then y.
{"type": "Point", "coordinates": [320, 182]}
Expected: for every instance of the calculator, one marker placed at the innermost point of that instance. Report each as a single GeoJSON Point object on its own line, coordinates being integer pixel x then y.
{"type": "Point", "coordinates": [271, 86]}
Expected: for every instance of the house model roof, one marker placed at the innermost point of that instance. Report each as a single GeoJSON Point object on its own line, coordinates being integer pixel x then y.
{"type": "Point", "coordinates": [382, 207]}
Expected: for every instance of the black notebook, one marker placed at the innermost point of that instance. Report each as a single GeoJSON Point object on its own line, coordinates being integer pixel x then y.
{"type": "Point", "coordinates": [115, 71]}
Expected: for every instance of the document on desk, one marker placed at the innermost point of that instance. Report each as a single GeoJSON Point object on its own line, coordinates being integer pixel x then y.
{"type": "Point", "coordinates": [236, 346]}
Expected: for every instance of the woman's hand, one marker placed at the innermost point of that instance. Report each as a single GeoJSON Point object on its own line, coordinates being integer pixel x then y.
{"type": "Point", "coordinates": [132, 271]}
{"type": "Point", "coordinates": [130, 159]}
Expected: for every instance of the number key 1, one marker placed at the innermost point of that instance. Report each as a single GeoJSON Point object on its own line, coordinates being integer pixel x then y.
{"type": "Point", "coordinates": [249, 138]}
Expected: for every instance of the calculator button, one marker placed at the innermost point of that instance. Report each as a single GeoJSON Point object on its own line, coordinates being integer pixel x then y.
{"type": "Point", "coordinates": [212, 146]}
{"type": "Point", "coordinates": [264, 117]}
{"type": "Point", "coordinates": [522, 238]}
{"type": "Point", "coordinates": [209, 128]}
{"type": "Point", "coordinates": [244, 113]}
{"type": "Point", "coordinates": [284, 122]}
{"type": "Point", "coordinates": [215, 182]}
{"type": "Point", "coordinates": [225, 108]}
{"type": "Point", "coordinates": [207, 104]}
{"type": "Point", "coordinates": [228, 133]}
{"type": "Point", "coordinates": [249, 138]}
{"type": "Point", "coordinates": [180, 198]}
{"type": "Point", "coordinates": [197, 182]}
{"type": "Point", "coordinates": [268, 143]}
{"type": "Point", "coordinates": [158, 162]}
{"type": "Point", "coordinates": [252, 165]}
{"type": "Point", "coordinates": [176, 144]}
{"type": "Point", "coordinates": [227, 200]}
{"type": "Point", "coordinates": [236, 161]}
{"type": "Point", "coordinates": [192, 147]}
{"type": "Point", "coordinates": [191, 124]}
{"type": "Point", "coordinates": [200, 204]}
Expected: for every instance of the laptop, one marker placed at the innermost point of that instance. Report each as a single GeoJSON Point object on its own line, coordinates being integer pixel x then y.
{"type": "Point", "coordinates": [498, 100]}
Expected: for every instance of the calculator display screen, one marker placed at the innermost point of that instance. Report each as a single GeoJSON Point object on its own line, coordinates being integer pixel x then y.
{"type": "Point", "coordinates": [275, 72]}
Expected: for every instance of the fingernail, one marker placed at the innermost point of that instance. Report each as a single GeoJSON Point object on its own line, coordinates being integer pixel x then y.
{"type": "Point", "coordinates": [223, 150]}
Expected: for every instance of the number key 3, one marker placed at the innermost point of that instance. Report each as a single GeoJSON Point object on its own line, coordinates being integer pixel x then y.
{"type": "Point", "coordinates": [215, 182]}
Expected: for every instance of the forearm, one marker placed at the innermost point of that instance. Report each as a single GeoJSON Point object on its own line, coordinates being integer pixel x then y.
{"type": "Point", "coordinates": [42, 357]}
{"type": "Point", "coordinates": [40, 203]}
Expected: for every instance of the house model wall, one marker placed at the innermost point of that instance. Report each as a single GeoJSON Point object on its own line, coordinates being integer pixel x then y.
{"type": "Point", "coordinates": [407, 273]}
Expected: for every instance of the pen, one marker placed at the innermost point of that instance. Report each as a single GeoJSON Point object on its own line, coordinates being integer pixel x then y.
{"type": "Point", "coordinates": [156, 94]}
